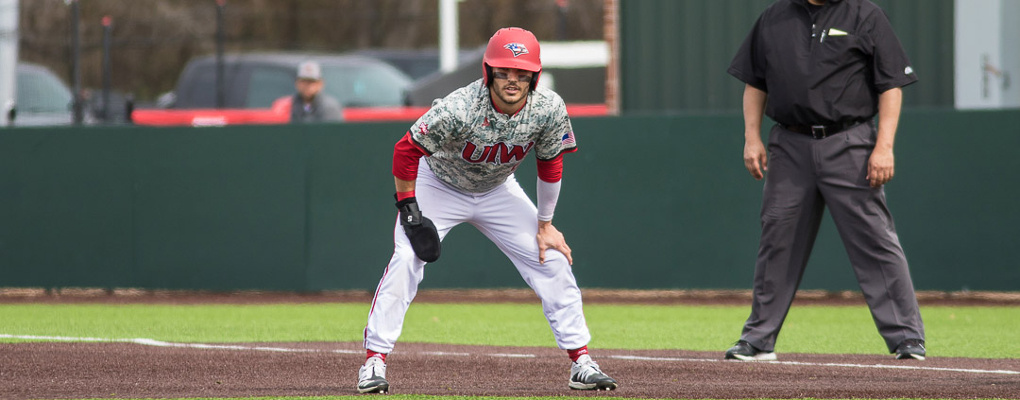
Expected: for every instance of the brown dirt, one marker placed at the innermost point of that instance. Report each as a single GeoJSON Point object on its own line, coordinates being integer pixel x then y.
{"type": "Point", "coordinates": [120, 370]}
{"type": "Point", "coordinates": [117, 370]}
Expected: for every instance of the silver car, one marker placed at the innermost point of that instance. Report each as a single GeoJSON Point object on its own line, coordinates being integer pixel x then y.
{"type": "Point", "coordinates": [42, 98]}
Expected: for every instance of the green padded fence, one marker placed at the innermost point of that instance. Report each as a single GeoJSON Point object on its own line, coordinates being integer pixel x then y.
{"type": "Point", "coordinates": [647, 202]}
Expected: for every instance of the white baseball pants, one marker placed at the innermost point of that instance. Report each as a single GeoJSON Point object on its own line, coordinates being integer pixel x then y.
{"type": "Point", "coordinates": [509, 219]}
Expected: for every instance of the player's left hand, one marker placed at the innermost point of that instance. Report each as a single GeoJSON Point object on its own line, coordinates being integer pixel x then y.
{"type": "Point", "coordinates": [551, 238]}
{"type": "Point", "coordinates": [420, 231]}
{"type": "Point", "coordinates": [880, 167]}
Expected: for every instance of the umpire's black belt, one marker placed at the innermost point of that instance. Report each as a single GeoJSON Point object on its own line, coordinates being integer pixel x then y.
{"type": "Point", "coordinates": [821, 131]}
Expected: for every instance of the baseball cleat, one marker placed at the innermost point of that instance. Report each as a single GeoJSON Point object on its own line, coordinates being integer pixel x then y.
{"type": "Point", "coordinates": [586, 375]}
{"type": "Point", "coordinates": [372, 377]}
{"type": "Point", "coordinates": [910, 349]}
{"type": "Point", "coordinates": [744, 351]}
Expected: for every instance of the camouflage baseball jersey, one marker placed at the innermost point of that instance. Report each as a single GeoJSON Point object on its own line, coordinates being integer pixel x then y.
{"type": "Point", "coordinates": [474, 148]}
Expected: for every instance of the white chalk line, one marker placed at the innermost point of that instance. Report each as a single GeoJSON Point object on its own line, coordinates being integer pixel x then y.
{"type": "Point", "coordinates": [444, 353]}
{"type": "Point", "coordinates": [876, 366]}
{"type": "Point", "coordinates": [511, 355]}
{"type": "Point", "coordinates": [159, 343]}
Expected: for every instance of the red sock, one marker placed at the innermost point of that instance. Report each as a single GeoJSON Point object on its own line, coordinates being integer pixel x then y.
{"type": "Point", "coordinates": [574, 354]}
{"type": "Point", "coordinates": [374, 354]}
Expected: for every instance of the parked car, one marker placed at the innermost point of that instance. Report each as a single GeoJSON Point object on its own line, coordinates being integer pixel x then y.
{"type": "Point", "coordinates": [415, 63]}
{"type": "Point", "coordinates": [575, 70]}
{"type": "Point", "coordinates": [255, 80]}
{"type": "Point", "coordinates": [41, 98]}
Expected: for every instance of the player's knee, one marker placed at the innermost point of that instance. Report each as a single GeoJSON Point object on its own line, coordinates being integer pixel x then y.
{"type": "Point", "coordinates": [565, 300]}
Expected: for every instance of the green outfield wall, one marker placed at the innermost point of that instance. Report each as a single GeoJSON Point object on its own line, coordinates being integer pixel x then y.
{"type": "Point", "coordinates": [647, 202]}
{"type": "Point", "coordinates": [674, 54]}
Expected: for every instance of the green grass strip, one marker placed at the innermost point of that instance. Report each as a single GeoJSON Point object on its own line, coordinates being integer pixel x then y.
{"type": "Point", "coordinates": [951, 331]}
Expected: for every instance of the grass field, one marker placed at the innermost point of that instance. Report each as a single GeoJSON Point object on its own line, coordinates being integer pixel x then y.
{"type": "Point", "coordinates": [951, 331]}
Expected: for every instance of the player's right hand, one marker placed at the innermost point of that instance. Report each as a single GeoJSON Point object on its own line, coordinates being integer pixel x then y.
{"type": "Point", "coordinates": [549, 237]}
{"type": "Point", "coordinates": [755, 157]}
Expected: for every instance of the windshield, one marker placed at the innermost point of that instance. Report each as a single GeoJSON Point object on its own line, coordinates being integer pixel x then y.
{"type": "Point", "coordinates": [39, 91]}
{"type": "Point", "coordinates": [361, 86]}
{"type": "Point", "coordinates": [268, 84]}
{"type": "Point", "coordinates": [257, 84]}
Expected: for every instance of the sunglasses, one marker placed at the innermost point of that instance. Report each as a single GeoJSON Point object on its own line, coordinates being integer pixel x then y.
{"type": "Point", "coordinates": [505, 76]}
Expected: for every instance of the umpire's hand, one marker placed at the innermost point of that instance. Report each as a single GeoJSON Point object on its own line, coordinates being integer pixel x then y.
{"type": "Point", "coordinates": [755, 157]}
{"type": "Point", "coordinates": [881, 166]}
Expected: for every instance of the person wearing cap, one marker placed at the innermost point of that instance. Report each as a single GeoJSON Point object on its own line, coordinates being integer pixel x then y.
{"type": "Point", "coordinates": [456, 165]}
{"type": "Point", "coordinates": [310, 103]}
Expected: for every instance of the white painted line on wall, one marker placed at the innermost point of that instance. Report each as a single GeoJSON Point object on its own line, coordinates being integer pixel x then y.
{"type": "Point", "coordinates": [159, 343]}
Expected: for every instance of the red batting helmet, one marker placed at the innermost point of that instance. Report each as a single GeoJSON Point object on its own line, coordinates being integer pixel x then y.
{"type": "Point", "coordinates": [512, 48]}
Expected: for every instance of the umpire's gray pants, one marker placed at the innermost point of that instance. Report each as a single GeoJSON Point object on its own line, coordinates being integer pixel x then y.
{"type": "Point", "coordinates": [805, 175]}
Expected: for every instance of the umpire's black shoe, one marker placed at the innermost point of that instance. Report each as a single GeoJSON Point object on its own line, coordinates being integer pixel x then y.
{"type": "Point", "coordinates": [743, 351]}
{"type": "Point", "coordinates": [910, 349]}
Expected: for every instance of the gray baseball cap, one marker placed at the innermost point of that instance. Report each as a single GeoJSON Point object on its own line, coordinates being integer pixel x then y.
{"type": "Point", "coordinates": [309, 70]}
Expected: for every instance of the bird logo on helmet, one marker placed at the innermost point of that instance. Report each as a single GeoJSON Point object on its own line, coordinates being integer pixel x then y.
{"type": "Point", "coordinates": [516, 48]}
{"type": "Point", "coordinates": [524, 53]}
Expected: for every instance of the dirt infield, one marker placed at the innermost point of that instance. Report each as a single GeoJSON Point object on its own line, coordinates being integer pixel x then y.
{"type": "Point", "coordinates": [151, 369]}
{"type": "Point", "coordinates": [117, 370]}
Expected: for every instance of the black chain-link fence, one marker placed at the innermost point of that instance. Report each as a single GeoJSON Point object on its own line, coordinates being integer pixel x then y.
{"type": "Point", "coordinates": [148, 42]}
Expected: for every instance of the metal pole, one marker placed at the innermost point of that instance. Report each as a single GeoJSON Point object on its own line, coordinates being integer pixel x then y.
{"type": "Point", "coordinates": [106, 67]}
{"type": "Point", "coordinates": [448, 33]}
{"type": "Point", "coordinates": [8, 61]}
{"type": "Point", "coordinates": [220, 83]}
{"type": "Point", "coordinates": [76, 62]}
{"type": "Point", "coordinates": [611, 33]}
{"type": "Point", "coordinates": [561, 19]}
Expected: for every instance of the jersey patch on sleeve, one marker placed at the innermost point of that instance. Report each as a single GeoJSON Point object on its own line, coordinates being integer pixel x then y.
{"type": "Point", "coordinates": [568, 139]}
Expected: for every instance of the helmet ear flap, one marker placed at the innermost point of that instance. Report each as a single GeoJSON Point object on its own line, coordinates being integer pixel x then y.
{"type": "Point", "coordinates": [488, 75]}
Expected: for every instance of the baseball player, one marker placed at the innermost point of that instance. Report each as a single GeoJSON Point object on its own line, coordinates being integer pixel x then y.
{"type": "Point", "coordinates": [472, 141]}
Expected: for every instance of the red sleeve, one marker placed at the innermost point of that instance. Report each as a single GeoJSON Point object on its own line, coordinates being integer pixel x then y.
{"type": "Point", "coordinates": [550, 171]}
{"type": "Point", "coordinates": [405, 158]}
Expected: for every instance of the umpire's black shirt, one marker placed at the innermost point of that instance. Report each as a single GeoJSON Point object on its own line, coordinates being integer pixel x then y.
{"type": "Point", "coordinates": [822, 65]}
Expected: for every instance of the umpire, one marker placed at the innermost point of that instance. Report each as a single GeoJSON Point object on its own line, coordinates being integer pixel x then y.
{"type": "Point", "coordinates": [823, 70]}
